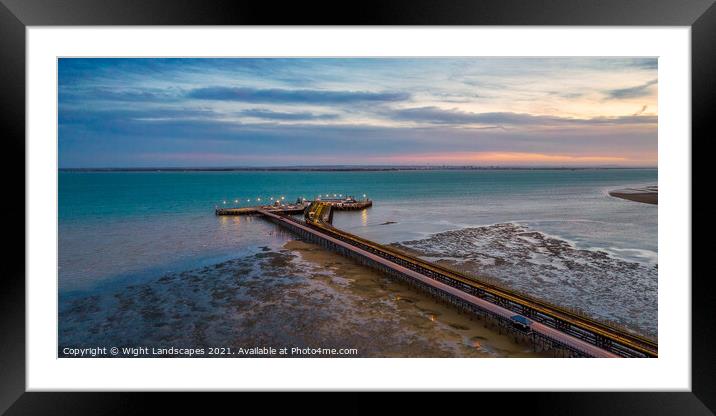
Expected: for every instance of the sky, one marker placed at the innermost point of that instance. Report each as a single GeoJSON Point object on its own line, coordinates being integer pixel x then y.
{"type": "Point", "coordinates": [571, 111]}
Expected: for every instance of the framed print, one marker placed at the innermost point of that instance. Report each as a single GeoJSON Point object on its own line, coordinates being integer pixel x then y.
{"type": "Point", "coordinates": [400, 203]}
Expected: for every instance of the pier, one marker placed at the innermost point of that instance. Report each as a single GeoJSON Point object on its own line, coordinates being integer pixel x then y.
{"type": "Point", "coordinates": [299, 207]}
{"type": "Point", "coordinates": [285, 209]}
{"type": "Point", "coordinates": [541, 322]}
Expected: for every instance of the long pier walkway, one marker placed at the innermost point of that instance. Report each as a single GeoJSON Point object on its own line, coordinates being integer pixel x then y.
{"type": "Point", "coordinates": [549, 324]}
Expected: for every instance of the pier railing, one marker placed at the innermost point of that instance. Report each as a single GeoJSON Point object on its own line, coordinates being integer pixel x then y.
{"type": "Point", "coordinates": [570, 322]}
{"type": "Point", "coordinates": [583, 329]}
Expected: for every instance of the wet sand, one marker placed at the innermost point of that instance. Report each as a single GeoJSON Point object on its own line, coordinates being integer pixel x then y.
{"type": "Point", "coordinates": [297, 296]}
{"type": "Point", "coordinates": [647, 195]}
{"type": "Point", "coordinates": [592, 281]}
{"type": "Point", "coordinates": [441, 329]}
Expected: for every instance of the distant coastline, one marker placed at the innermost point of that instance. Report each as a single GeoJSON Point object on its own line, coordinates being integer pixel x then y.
{"type": "Point", "coordinates": [647, 194]}
{"type": "Point", "coordinates": [338, 168]}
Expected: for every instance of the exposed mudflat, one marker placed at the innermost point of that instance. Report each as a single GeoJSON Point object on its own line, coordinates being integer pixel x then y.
{"type": "Point", "coordinates": [299, 296]}
{"type": "Point", "coordinates": [646, 194]}
{"type": "Point", "coordinates": [550, 268]}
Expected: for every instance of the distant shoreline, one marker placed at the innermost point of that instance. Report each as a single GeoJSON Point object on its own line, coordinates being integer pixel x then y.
{"type": "Point", "coordinates": [336, 168]}
{"type": "Point", "coordinates": [646, 195]}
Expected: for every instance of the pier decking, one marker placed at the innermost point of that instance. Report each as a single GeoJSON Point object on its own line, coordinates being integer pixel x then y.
{"type": "Point", "coordinates": [549, 325]}
{"type": "Point", "coordinates": [343, 204]}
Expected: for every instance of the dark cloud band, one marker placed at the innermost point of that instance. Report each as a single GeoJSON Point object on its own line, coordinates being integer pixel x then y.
{"type": "Point", "coordinates": [435, 115]}
{"type": "Point", "coordinates": [278, 96]}
{"type": "Point", "coordinates": [276, 115]}
{"type": "Point", "coordinates": [632, 92]}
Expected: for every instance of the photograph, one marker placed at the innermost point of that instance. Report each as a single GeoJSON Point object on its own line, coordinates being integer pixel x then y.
{"type": "Point", "coordinates": [493, 198]}
{"type": "Point", "coordinates": [351, 207]}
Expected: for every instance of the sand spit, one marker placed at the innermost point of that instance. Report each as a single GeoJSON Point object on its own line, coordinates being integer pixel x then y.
{"type": "Point", "coordinates": [549, 268]}
{"type": "Point", "coordinates": [647, 194]}
{"type": "Point", "coordinates": [299, 296]}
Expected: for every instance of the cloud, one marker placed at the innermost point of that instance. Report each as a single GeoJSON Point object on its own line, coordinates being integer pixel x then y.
{"type": "Point", "coordinates": [645, 63]}
{"type": "Point", "coordinates": [289, 111]}
{"type": "Point", "coordinates": [111, 138]}
{"type": "Point", "coordinates": [633, 119]}
{"type": "Point", "coordinates": [568, 95]}
{"type": "Point", "coordinates": [101, 118]}
{"type": "Point", "coordinates": [632, 92]}
{"type": "Point", "coordinates": [500, 158]}
{"type": "Point", "coordinates": [130, 95]}
{"type": "Point", "coordinates": [279, 96]}
{"type": "Point", "coordinates": [643, 108]}
{"type": "Point", "coordinates": [435, 115]}
{"type": "Point", "coordinates": [408, 159]}
{"type": "Point", "coordinates": [275, 115]}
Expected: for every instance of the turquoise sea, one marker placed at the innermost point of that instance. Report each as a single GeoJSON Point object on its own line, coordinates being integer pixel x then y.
{"type": "Point", "coordinates": [123, 228]}
{"type": "Point", "coordinates": [115, 224]}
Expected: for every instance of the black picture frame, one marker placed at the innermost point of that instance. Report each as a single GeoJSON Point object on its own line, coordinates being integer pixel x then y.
{"type": "Point", "coordinates": [16, 15]}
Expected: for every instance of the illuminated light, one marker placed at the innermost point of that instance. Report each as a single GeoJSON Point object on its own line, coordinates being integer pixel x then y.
{"type": "Point", "coordinates": [258, 199]}
{"type": "Point", "coordinates": [248, 200]}
{"type": "Point", "coordinates": [236, 201]}
{"type": "Point", "coordinates": [363, 195]}
{"type": "Point", "coordinates": [224, 202]}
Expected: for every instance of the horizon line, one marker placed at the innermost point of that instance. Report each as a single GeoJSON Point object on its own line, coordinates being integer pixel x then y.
{"type": "Point", "coordinates": [348, 167]}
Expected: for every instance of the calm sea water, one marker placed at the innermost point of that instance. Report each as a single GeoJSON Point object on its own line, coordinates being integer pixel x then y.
{"type": "Point", "coordinates": [116, 227]}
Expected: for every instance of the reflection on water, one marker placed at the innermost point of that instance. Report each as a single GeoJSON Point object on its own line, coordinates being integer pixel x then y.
{"type": "Point", "coordinates": [232, 223]}
{"type": "Point", "coordinates": [136, 249]}
{"type": "Point", "coordinates": [364, 217]}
